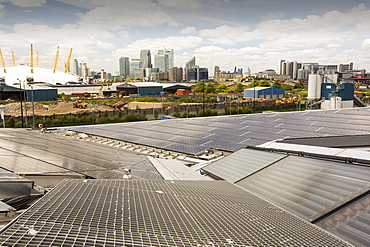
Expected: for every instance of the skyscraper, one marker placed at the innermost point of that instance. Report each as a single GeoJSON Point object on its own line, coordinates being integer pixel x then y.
{"type": "Point", "coordinates": [161, 61]}
{"type": "Point", "coordinates": [189, 64]}
{"type": "Point", "coordinates": [145, 59]}
{"type": "Point", "coordinates": [135, 64]}
{"type": "Point", "coordinates": [75, 67]}
{"type": "Point", "coordinates": [124, 66]}
{"type": "Point", "coordinates": [170, 55]}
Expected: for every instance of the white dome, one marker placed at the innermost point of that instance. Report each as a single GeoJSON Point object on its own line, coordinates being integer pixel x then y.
{"type": "Point", "coordinates": [44, 75]}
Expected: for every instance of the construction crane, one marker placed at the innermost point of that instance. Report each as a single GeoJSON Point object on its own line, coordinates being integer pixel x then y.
{"type": "Point", "coordinates": [101, 93]}
{"type": "Point", "coordinates": [13, 59]}
{"type": "Point", "coordinates": [31, 58]}
{"type": "Point", "coordinates": [2, 61]}
{"type": "Point", "coordinates": [56, 60]}
{"type": "Point", "coordinates": [68, 61]}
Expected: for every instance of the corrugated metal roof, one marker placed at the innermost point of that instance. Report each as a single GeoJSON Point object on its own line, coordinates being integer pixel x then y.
{"type": "Point", "coordinates": [159, 213]}
{"type": "Point", "coordinates": [241, 164]}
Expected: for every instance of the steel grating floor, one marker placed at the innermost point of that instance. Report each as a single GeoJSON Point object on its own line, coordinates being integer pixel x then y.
{"type": "Point", "coordinates": [159, 213]}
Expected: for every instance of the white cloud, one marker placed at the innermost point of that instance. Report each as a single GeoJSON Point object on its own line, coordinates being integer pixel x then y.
{"type": "Point", "coordinates": [366, 43]}
{"type": "Point", "coordinates": [188, 30]}
{"type": "Point", "coordinates": [359, 8]}
{"type": "Point", "coordinates": [27, 3]}
{"type": "Point", "coordinates": [226, 35]}
{"type": "Point", "coordinates": [181, 4]}
{"type": "Point", "coordinates": [126, 14]}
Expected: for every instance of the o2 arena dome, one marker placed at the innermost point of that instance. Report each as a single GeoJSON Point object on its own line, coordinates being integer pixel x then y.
{"type": "Point", "coordinates": [20, 73]}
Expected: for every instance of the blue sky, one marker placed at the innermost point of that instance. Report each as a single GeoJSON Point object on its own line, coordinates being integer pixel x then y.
{"type": "Point", "coordinates": [226, 33]}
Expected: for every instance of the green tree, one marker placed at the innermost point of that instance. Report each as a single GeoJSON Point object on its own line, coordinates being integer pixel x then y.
{"type": "Point", "coordinates": [254, 83]}
{"type": "Point", "coordinates": [239, 88]}
{"type": "Point", "coordinates": [276, 84]}
{"type": "Point", "coordinates": [210, 88]}
{"type": "Point", "coordinates": [264, 83]}
{"type": "Point", "coordinates": [200, 87]}
{"type": "Point", "coordinates": [222, 88]}
{"type": "Point", "coordinates": [156, 114]}
{"type": "Point", "coordinates": [299, 85]}
{"type": "Point", "coordinates": [286, 87]}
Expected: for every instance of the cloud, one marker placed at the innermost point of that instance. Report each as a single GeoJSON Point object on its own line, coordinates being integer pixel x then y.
{"type": "Point", "coordinates": [27, 3]}
{"type": "Point", "coordinates": [126, 14]}
{"type": "Point", "coordinates": [188, 30]}
{"type": "Point", "coordinates": [226, 35]}
{"type": "Point", "coordinates": [359, 8]}
{"type": "Point", "coordinates": [181, 4]}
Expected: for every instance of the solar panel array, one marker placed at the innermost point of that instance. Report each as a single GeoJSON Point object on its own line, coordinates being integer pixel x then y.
{"type": "Point", "coordinates": [29, 152]}
{"type": "Point", "coordinates": [310, 188]}
{"type": "Point", "coordinates": [231, 133]}
{"type": "Point", "coordinates": [159, 213]}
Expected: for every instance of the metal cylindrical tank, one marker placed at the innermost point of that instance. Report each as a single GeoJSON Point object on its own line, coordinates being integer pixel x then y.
{"type": "Point", "coordinates": [335, 102]}
{"type": "Point", "coordinates": [312, 85]}
{"type": "Point", "coordinates": [319, 82]}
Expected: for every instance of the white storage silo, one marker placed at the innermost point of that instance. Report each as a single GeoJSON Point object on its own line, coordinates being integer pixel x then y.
{"type": "Point", "coordinates": [312, 86]}
{"type": "Point", "coordinates": [335, 102]}
{"type": "Point", "coordinates": [319, 81]}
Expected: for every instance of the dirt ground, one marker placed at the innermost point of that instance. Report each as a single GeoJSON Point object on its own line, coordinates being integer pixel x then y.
{"type": "Point", "coordinates": [14, 109]}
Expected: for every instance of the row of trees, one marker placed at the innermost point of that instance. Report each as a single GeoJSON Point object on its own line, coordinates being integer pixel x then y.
{"type": "Point", "coordinates": [209, 87]}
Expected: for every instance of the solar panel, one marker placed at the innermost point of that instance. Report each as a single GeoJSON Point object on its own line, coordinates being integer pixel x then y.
{"type": "Point", "coordinates": [241, 164]}
{"type": "Point", "coordinates": [308, 187]}
{"type": "Point", "coordinates": [185, 148]}
{"type": "Point", "coordinates": [226, 138]}
{"type": "Point", "coordinates": [256, 128]}
{"type": "Point", "coordinates": [225, 146]}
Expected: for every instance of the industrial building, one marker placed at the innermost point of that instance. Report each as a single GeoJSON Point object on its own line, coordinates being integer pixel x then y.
{"type": "Point", "coordinates": [28, 93]}
{"type": "Point", "coordinates": [140, 88]}
{"type": "Point", "coordinates": [264, 93]}
{"type": "Point", "coordinates": [272, 179]}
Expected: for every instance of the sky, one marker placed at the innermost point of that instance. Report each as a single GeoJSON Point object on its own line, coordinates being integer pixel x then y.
{"type": "Point", "coordinates": [253, 34]}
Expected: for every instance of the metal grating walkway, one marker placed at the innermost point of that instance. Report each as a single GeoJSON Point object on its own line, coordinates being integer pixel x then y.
{"type": "Point", "coordinates": [159, 213]}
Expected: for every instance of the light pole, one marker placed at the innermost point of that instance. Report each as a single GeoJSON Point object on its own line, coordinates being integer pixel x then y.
{"type": "Point", "coordinates": [254, 99]}
{"type": "Point", "coordinates": [30, 82]}
{"type": "Point", "coordinates": [20, 95]}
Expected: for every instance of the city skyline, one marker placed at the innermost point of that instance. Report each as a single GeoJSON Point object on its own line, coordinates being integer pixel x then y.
{"type": "Point", "coordinates": [226, 33]}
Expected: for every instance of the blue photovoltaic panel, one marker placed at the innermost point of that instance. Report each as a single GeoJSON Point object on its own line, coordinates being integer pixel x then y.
{"type": "Point", "coordinates": [255, 128]}
{"type": "Point", "coordinates": [227, 131]}
{"type": "Point", "coordinates": [225, 146]}
{"type": "Point", "coordinates": [185, 148]}
{"type": "Point", "coordinates": [226, 138]}
{"type": "Point", "coordinates": [188, 140]}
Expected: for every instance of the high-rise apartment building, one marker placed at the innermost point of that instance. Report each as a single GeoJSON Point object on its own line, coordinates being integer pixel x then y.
{"type": "Point", "coordinates": [176, 74]}
{"type": "Point", "coordinates": [345, 67]}
{"type": "Point", "coordinates": [75, 68]}
{"type": "Point", "coordinates": [217, 73]}
{"type": "Point", "coordinates": [124, 67]}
